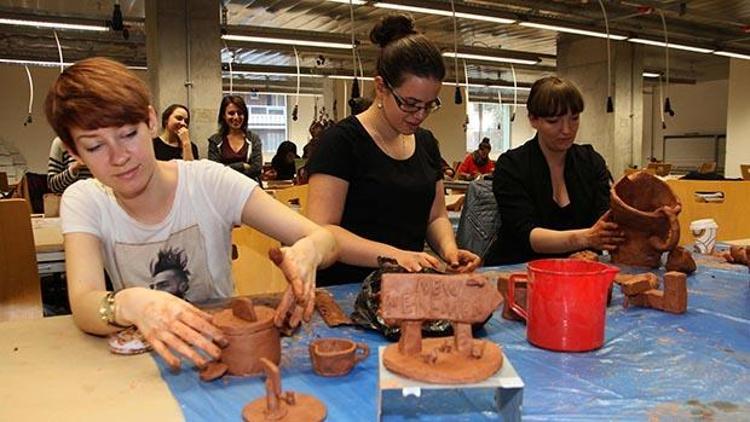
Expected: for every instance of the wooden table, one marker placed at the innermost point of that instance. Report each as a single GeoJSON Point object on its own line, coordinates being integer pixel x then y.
{"type": "Point", "coordinates": [50, 370]}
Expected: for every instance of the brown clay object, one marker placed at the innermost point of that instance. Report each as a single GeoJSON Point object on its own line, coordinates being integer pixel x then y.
{"type": "Point", "coordinates": [675, 292]}
{"type": "Point", "coordinates": [243, 308]}
{"type": "Point", "coordinates": [739, 254]}
{"type": "Point", "coordinates": [679, 259]}
{"type": "Point", "coordinates": [212, 371]}
{"type": "Point", "coordinates": [408, 299]}
{"type": "Point", "coordinates": [334, 357]}
{"type": "Point", "coordinates": [502, 286]}
{"type": "Point", "coordinates": [329, 310]}
{"type": "Point", "coordinates": [586, 255]}
{"type": "Point", "coordinates": [280, 405]}
{"type": "Point", "coordinates": [638, 202]}
{"type": "Point", "coordinates": [248, 341]}
{"type": "Point", "coordinates": [638, 283]}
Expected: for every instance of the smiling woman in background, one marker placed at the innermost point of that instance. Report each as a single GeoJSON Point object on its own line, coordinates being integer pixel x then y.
{"type": "Point", "coordinates": [376, 177]}
{"type": "Point", "coordinates": [552, 194]}
{"type": "Point", "coordinates": [234, 145]}
{"type": "Point", "coordinates": [174, 142]}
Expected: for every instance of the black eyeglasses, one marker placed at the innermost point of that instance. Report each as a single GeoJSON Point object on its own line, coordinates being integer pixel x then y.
{"type": "Point", "coordinates": [406, 107]}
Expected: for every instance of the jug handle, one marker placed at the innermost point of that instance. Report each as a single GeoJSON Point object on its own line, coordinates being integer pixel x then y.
{"type": "Point", "coordinates": [514, 278]}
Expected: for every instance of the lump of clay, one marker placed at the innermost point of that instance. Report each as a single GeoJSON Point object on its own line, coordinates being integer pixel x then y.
{"type": "Point", "coordinates": [681, 260]}
{"type": "Point", "coordinates": [672, 299]}
{"type": "Point", "coordinates": [638, 203]}
{"type": "Point", "coordinates": [586, 255]}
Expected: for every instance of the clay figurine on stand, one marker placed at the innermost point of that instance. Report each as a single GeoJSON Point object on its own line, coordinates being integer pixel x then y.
{"type": "Point", "coordinates": [646, 209]}
{"type": "Point", "coordinates": [641, 290]}
{"type": "Point", "coordinates": [410, 298]}
{"type": "Point", "coordinates": [679, 259]}
{"type": "Point", "coordinates": [280, 405]}
{"type": "Point", "coordinates": [251, 335]}
{"type": "Point", "coordinates": [334, 357]}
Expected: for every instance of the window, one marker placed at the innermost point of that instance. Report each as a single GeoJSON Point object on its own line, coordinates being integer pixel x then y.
{"type": "Point", "coordinates": [268, 120]}
{"type": "Point", "coordinates": [490, 120]}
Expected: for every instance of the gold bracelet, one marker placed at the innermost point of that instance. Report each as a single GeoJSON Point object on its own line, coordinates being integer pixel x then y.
{"type": "Point", "coordinates": [107, 310]}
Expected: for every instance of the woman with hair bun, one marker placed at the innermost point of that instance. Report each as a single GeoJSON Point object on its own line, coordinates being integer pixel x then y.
{"type": "Point", "coordinates": [376, 177]}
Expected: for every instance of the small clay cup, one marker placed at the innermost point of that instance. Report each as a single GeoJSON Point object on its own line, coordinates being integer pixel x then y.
{"type": "Point", "coordinates": [334, 357]}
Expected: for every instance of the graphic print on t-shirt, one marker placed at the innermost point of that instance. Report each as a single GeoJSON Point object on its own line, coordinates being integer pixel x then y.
{"type": "Point", "coordinates": [177, 265]}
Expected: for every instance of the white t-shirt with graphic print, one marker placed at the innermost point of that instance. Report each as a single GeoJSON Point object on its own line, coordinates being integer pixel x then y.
{"type": "Point", "coordinates": [188, 253]}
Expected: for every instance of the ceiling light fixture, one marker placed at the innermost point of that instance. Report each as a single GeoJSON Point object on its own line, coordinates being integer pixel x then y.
{"type": "Point", "coordinates": [42, 63]}
{"type": "Point", "coordinates": [671, 45]}
{"type": "Point", "coordinates": [354, 2]}
{"type": "Point", "coordinates": [732, 55]}
{"type": "Point", "coordinates": [651, 75]}
{"type": "Point", "coordinates": [440, 12]}
{"type": "Point", "coordinates": [255, 73]}
{"type": "Point", "coordinates": [286, 94]}
{"type": "Point", "coordinates": [285, 41]}
{"type": "Point", "coordinates": [349, 77]}
{"type": "Point", "coordinates": [572, 30]}
{"type": "Point", "coordinates": [490, 58]}
{"type": "Point", "coordinates": [54, 25]}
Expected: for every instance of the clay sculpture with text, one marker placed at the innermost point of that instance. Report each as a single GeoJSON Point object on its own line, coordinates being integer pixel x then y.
{"type": "Point", "coordinates": [251, 336]}
{"type": "Point", "coordinates": [646, 209]}
{"type": "Point", "coordinates": [280, 405]}
{"type": "Point", "coordinates": [407, 299]}
{"type": "Point", "coordinates": [643, 290]}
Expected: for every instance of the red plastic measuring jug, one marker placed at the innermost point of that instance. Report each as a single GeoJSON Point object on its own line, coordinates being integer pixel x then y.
{"type": "Point", "coordinates": [566, 303]}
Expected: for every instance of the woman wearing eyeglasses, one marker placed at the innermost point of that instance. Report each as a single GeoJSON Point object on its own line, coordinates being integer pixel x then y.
{"type": "Point", "coordinates": [376, 177]}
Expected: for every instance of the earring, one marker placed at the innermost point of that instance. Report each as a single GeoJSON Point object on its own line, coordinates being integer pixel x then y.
{"type": "Point", "coordinates": [380, 105]}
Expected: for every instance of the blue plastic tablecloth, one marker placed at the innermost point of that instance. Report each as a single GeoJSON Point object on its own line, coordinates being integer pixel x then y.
{"type": "Point", "coordinates": [653, 364]}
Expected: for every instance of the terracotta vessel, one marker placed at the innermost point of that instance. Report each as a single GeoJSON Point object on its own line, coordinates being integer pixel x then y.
{"type": "Point", "coordinates": [637, 201]}
{"type": "Point", "coordinates": [334, 357]}
{"type": "Point", "coordinates": [249, 341]}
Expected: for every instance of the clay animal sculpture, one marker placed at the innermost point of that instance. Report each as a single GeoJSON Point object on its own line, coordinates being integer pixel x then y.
{"type": "Point", "coordinates": [251, 336]}
{"type": "Point", "coordinates": [280, 405]}
{"type": "Point", "coordinates": [334, 357]}
{"type": "Point", "coordinates": [673, 298]}
{"type": "Point", "coordinates": [679, 259]}
{"type": "Point", "coordinates": [408, 299]}
{"type": "Point", "coordinates": [646, 209]}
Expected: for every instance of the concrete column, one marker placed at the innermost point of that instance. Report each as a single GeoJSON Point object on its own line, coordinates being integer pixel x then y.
{"type": "Point", "coordinates": [184, 61]}
{"type": "Point", "coordinates": [616, 136]}
{"type": "Point", "coordinates": [738, 124]}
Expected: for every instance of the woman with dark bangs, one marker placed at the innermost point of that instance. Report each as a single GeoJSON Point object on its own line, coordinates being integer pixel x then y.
{"type": "Point", "coordinates": [552, 194]}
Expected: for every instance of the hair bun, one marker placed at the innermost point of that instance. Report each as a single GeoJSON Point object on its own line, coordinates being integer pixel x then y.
{"type": "Point", "coordinates": [392, 28]}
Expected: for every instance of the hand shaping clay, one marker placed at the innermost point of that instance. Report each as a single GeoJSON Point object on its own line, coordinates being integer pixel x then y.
{"type": "Point", "coordinates": [408, 299]}
{"type": "Point", "coordinates": [638, 202]}
{"type": "Point", "coordinates": [681, 260]}
{"type": "Point", "coordinates": [282, 406]}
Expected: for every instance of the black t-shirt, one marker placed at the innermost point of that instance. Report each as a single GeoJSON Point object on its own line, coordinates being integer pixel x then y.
{"type": "Point", "coordinates": [523, 191]}
{"type": "Point", "coordinates": [166, 152]}
{"type": "Point", "coordinates": [388, 200]}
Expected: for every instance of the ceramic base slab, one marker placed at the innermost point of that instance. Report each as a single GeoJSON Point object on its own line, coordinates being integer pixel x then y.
{"type": "Point", "coordinates": [306, 409]}
{"type": "Point", "coordinates": [505, 383]}
{"type": "Point", "coordinates": [449, 368]}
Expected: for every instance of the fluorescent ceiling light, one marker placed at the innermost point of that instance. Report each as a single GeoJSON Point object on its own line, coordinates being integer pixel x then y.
{"type": "Point", "coordinates": [247, 72]}
{"type": "Point", "coordinates": [489, 58]}
{"type": "Point", "coordinates": [269, 40]}
{"type": "Point", "coordinates": [671, 45]}
{"type": "Point", "coordinates": [732, 55]}
{"type": "Point", "coordinates": [286, 94]}
{"type": "Point", "coordinates": [354, 2]}
{"type": "Point", "coordinates": [361, 78]}
{"type": "Point", "coordinates": [55, 25]}
{"type": "Point", "coordinates": [53, 64]}
{"type": "Point", "coordinates": [440, 12]}
{"type": "Point", "coordinates": [511, 87]}
{"type": "Point", "coordinates": [651, 75]}
{"type": "Point", "coordinates": [572, 30]}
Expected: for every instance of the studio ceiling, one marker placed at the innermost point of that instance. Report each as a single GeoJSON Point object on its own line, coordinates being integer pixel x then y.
{"type": "Point", "coordinates": [706, 23]}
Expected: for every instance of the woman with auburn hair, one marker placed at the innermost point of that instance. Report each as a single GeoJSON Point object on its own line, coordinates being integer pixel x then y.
{"type": "Point", "coordinates": [159, 226]}
{"type": "Point", "coordinates": [376, 177]}
{"type": "Point", "coordinates": [174, 142]}
{"type": "Point", "coordinates": [234, 145]}
{"type": "Point", "coordinates": [552, 194]}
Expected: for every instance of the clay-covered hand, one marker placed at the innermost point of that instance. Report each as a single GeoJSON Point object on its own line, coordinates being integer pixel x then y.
{"type": "Point", "coordinates": [184, 134]}
{"type": "Point", "coordinates": [462, 261]}
{"type": "Point", "coordinates": [170, 325]}
{"type": "Point", "coordinates": [415, 261]}
{"type": "Point", "coordinates": [604, 234]}
{"type": "Point", "coordinates": [298, 263]}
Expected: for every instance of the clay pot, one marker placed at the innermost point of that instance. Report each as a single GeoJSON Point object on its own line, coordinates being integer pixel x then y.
{"type": "Point", "coordinates": [249, 341]}
{"type": "Point", "coordinates": [333, 357]}
{"type": "Point", "coordinates": [636, 203]}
